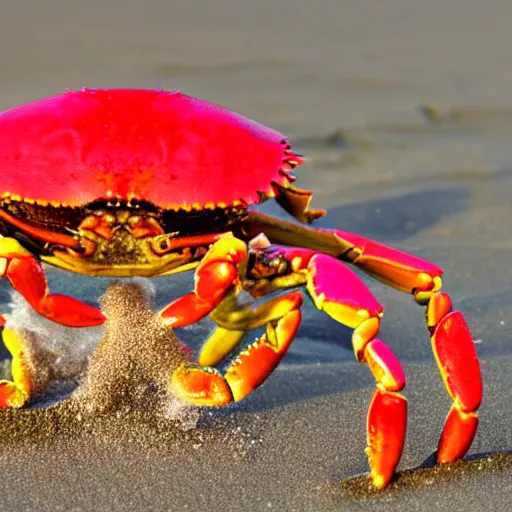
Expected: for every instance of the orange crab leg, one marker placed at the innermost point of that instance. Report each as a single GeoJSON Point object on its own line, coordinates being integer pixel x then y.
{"type": "Point", "coordinates": [208, 387]}
{"type": "Point", "coordinates": [452, 343]}
{"type": "Point", "coordinates": [457, 359]}
{"type": "Point", "coordinates": [396, 268]}
{"type": "Point", "coordinates": [215, 276]}
{"type": "Point", "coordinates": [385, 444]}
{"type": "Point", "coordinates": [26, 275]}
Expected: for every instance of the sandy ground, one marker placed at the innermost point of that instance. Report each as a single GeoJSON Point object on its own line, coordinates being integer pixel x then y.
{"type": "Point", "coordinates": [405, 114]}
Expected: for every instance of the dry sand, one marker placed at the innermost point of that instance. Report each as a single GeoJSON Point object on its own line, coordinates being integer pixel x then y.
{"type": "Point", "coordinates": [404, 110]}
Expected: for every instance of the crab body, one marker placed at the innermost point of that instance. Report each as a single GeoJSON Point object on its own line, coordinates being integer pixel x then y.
{"type": "Point", "coordinates": [128, 172]}
{"type": "Point", "coordinates": [141, 182]}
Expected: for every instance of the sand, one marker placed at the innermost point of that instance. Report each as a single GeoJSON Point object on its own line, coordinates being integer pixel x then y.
{"type": "Point", "coordinates": [404, 113]}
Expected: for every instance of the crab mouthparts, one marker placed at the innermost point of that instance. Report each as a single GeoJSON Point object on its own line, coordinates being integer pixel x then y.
{"type": "Point", "coordinates": [120, 257]}
{"type": "Point", "coordinates": [123, 242]}
{"type": "Point", "coordinates": [122, 254]}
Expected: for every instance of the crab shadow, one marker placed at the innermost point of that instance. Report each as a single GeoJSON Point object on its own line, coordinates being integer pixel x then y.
{"type": "Point", "coordinates": [293, 384]}
{"type": "Point", "coordinates": [426, 476]}
{"type": "Point", "coordinates": [392, 220]}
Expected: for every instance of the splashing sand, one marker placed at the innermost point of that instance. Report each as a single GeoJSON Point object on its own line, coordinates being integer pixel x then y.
{"type": "Point", "coordinates": [132, 364]}
{"type": "Point", "coordinates": [56, 356]}
{"type": "Point", "coordinates": [119, 373]}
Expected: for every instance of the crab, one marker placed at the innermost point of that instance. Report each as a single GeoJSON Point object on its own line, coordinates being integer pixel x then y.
{"type": "Point", "coordinates": [128, 182]}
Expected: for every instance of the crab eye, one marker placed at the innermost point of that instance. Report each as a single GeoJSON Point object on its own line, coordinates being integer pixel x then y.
{"type": "Point", "coordinates": [162, 246]}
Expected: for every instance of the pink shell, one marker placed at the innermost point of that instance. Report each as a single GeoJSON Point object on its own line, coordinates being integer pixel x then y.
{"type": "Point", "coordinates": [163, 147]}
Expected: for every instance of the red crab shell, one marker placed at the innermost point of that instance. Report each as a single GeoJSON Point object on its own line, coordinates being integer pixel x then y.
{"type": "Point", "coordinates": [166, 148]}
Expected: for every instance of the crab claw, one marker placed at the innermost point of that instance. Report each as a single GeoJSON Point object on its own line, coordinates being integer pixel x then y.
{"type": "Point", "coordinates": [27, 276]}
{"type": "Point", "coordinates": [12, 395]}
{"type": "Point", "coordinates": [204, 386]}
{"type": "Point", "coordinates": [215, 276]}
{"type": "Point", "coordinates": [68, 311]}
{"type": "Point", "coordinates": [207, 386]}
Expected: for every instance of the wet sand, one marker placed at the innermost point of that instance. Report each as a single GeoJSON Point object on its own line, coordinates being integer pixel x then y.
{"type": "Point", "coordinates": [405, 115]}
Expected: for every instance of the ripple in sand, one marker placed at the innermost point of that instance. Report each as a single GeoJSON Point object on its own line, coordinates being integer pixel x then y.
{"type": "Point", "coordinates": [466, 116]}
{"type": "Point", "coordinates": [179, 69]}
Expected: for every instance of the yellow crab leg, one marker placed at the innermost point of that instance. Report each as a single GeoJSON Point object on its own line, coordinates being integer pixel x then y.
{"type": "Point", "coordinates": [15, 393]}
{"type": "Point", "coordinates": [219, 345]}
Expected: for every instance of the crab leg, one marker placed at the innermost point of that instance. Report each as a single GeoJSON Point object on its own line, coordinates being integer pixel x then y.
{"type": "Point", "coordinates": [26, 275]}
{"type": "Point", "coordinates": [395, 268]}
{"type": "Point", "coordinates": [451, 339]}
{"type": "Point", "coordinates": [457, 360]}
{"type": "Point", "coordinates": [339, 292]}
{"type": "Point", "coordinates": [204, 385]}
{"type": "Point", "coordinates": [215, 277]}
{"type": "Point", "coordinates": [15, 393]}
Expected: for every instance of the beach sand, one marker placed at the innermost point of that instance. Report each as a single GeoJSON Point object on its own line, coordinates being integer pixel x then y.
{"type": "Point", "coordinates": [405, 115]}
